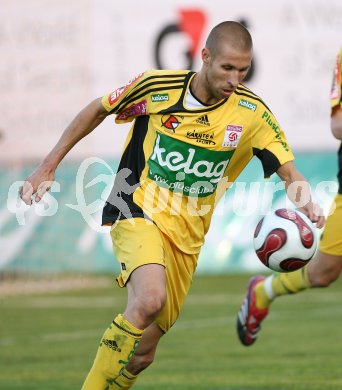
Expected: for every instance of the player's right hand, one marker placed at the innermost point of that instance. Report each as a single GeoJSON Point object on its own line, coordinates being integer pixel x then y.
{"type": "Point", "coordinates": [35, 186]}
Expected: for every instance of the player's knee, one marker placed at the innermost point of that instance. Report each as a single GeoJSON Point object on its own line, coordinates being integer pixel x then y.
{"type": "Point", "coordinates": [152, 302]}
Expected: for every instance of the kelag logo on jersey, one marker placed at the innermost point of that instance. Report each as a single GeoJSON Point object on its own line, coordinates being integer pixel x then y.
{"type": "Point", "coordinates": [160, 97]}
{"type": "Point", "coordinates": [187, 169]}
{"type": "Point", "coordinates": [247, 104]}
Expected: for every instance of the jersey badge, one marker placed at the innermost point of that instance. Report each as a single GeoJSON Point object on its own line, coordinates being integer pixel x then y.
{"type": "Point", "coordinates": [232, 136]}
{"type": "Point", "coordinates": [170, 122]}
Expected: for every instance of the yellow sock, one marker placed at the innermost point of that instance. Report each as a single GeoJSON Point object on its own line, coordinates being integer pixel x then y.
{"type": "Point", "coordinates": [290, 283]}
{"type": "Point", "coordinates": [262, 301]}
{"type": "Point", "coordinates": [116, 349]}
{"type": "Point", "coordinates": [123, 382]}
{"type": "Point", "coordinates": [280, 284]}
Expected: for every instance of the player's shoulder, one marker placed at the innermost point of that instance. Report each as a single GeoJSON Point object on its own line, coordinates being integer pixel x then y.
{"type": "Point", "coordinates": [248, 99]}
{"type": "Point", "coordinates": [166, 73]}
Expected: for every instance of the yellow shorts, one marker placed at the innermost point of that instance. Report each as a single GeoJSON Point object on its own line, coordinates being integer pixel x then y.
{"type": "Point", "coordinates": [331, 239]}
{"type": "Point", "coordinates": [139, 243]}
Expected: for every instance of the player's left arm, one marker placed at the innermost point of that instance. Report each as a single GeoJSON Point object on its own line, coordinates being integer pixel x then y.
{"type": "Point", "coordinates": [298, 191]}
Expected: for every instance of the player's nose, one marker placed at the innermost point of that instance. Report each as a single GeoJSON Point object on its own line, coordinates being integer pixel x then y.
{"type": "Point", "coordinates": [233, 82]}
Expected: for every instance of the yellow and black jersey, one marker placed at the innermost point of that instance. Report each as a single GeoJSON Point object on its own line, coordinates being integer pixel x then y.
{"type": "Point", "coordinates": [336, 88]}
{"type": "Point", "coordinates": [336, 101]}
{"type": "Point", "coordinates": [178, 161]}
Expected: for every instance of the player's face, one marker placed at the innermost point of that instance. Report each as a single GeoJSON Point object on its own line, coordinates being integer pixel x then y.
{"type": "Point", "coordinates": [225, 70]}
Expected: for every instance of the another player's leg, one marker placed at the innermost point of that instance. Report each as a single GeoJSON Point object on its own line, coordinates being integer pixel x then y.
{"type": "Point", "coordinates": [321, 271]}
{"type": "Point", "coordinates": [250, 315]}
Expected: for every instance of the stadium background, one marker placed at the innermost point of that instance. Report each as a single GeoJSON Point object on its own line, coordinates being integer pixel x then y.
{"type": "Point", "coordinates": [57, 56]}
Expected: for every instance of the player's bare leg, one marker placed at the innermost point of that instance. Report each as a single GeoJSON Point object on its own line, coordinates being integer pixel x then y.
{"type": "Point", "coordinates": [324, 269]}
{"type": "Point", "coordinates": [146, 298]}
{"type": "Point", "coordinates": [146, 294]}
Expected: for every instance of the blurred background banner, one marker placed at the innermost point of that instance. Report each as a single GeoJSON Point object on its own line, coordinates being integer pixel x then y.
{"type": "Point", "coordinates": [58, 56]}
{"type": "Point", "coordinates": [63, 232]}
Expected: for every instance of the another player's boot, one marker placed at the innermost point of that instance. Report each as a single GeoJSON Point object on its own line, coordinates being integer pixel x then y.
{"type": "Point", "coordinates": [249, 316]}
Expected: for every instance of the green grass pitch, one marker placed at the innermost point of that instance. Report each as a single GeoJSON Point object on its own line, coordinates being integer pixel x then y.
{"type": "Point", "coordinates": [48, 341]}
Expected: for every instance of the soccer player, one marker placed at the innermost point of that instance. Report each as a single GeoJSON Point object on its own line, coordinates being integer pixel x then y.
{"type": "Point", "coordinates": [193, 134]}
{"type": "Point", "coordinates": [322, 270]}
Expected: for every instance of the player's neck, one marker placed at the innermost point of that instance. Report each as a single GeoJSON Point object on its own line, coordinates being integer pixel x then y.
{"type": "Point", "coordinates": [200, 89]}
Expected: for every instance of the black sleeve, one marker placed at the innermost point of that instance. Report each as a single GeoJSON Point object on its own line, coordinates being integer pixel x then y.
{"type": "Point", "coordinates": [269, 161]}
{"type": "Point", "coordinates": [339, 175]}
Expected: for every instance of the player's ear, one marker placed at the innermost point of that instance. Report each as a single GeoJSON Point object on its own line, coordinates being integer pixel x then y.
{"type": "Point", "coordinates": [206, 56]}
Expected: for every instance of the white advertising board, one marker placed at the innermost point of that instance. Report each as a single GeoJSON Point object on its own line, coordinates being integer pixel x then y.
{"type": "Point", "coordinates": [58, 56]}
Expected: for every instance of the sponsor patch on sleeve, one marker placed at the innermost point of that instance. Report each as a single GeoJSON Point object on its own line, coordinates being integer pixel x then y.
{"type": "Point", "coordinates": [115, 95]}
{"type": "Point", "coordinates": [136, 109]}
{"type": "Point", "coordinates": [335, 88]}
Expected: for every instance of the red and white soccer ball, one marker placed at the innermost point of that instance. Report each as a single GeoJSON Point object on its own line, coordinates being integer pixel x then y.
{"type": "Point", "coordinates": [285, 240]}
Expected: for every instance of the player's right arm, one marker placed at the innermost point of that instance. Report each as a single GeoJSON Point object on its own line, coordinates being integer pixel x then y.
{"type": "Point", "coordinates": [119, 100]}
{"type": "Point", "coordinates": [336, 122]}
{"type": "Point", "coordinates": [83, 124]}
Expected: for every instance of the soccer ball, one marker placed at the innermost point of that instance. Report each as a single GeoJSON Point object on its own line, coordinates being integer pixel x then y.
{"type": "Point", "coordinates": [285, 240]}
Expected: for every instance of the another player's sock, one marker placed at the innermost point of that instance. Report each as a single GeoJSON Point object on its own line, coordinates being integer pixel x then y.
{"type": "Point", "coordinates": [262, 299]}
{"type": "Point", "coordinates": [124, 381]}
{"type": "Point", "coordinates": [290, 283]}
{"type": "Point", "coordinates": [116, 349]}
{"type": "Point", "coordinates": [280, 284]}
